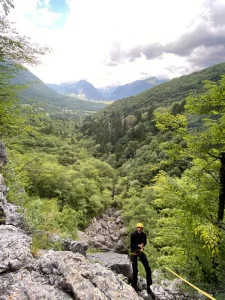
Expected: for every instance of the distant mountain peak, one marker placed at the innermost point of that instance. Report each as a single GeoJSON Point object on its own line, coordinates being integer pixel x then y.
{"type": "Point", "coordinates": [135, 88]}
{"type": "Point", "coordinates": [81, 89]}
{"type": "Point", "coordinates": [47, 99]}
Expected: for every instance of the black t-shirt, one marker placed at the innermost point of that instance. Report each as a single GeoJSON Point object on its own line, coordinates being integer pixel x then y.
{"type": "Point", "coordinates": [136, 239]}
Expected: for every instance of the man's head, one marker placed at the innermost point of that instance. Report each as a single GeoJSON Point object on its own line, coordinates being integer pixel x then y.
{"type": "Point", "coordinates": [139, 227]}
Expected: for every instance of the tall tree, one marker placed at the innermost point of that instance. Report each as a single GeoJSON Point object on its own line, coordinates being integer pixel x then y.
{"type": "Point", "coordinates": [202, 129]}
{"type": "Point", "coordinates": [15, 50]}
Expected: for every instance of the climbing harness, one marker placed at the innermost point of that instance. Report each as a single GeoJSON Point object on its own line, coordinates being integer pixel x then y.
{"type": "Point", "coordinates": [192, 285]}
{"type": "Point", "coordinates": [137, 253]}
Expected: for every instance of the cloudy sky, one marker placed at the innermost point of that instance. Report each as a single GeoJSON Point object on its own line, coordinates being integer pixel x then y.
{"type": "Point", "coordinates": [111, 42]}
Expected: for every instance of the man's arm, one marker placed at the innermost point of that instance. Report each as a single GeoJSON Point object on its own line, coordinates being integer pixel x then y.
{"type": "Point", "coordinates": [144, 240]}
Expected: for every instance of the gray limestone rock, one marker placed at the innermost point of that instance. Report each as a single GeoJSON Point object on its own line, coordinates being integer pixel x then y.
{"type": "Point", "coordinates": [9, 212]}
{"type": "Point", "coordinates": [15, 250]}
{"type": "Point", "coordinates": [13, 216]}
{"type": "Point", "coordinates": [119, 263]}
{"type": "Point", "coordinates": [24, 285]}
{"type": "Point", "coordinates": [75, 246]}
{"type": "Point", "coordinates": [83, 237]}
{"type": "Point", "coordinates": [86, 281]}
{"type": "Point", "coordinates": [107, 231]}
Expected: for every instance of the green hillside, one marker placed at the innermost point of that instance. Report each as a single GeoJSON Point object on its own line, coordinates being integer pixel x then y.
{"type": "Point", "coordinates": [168, 92]}
{"type": "Point", "coordinates": [131, 119]}
{"type": "Point", "coordinates": [44, 97]}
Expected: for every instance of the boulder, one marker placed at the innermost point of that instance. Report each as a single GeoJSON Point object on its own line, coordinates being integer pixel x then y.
{"type": "Point", "coordinates": [9, 214]}
{"type": "Point", "coordinates": [13, 217]}
{"type": "Point", "coordinates": [119, 263]}
{"type": "Point", "coordinates": [15, 250]}
{"type": "Point", "coordinates": [75, 246]}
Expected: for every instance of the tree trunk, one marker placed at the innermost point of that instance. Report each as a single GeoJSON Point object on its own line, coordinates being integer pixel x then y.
{"type": "Point", "coordinates": [222, 188]}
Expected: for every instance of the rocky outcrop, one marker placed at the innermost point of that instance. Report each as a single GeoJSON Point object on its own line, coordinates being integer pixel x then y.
{"type": "Point", "coordinates": [9, 214]}
{"type": "Point", "coordinates": [15, 250]}
{"type": "Point", "coordinates": [80, 278]}
{"type": "Point", "coordinates": [26, 285]}
{"type": "Point", "coordinates": [57, 275]}
{"type": "Point", "coordinates": [107, 232]}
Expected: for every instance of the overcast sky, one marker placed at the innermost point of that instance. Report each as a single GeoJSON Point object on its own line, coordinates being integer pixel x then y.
{"type": "Point", "coordinates": [111, 42]}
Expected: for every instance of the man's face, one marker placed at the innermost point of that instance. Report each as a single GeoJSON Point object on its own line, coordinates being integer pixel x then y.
{"type": "Point", "coordinates": [139, 229]}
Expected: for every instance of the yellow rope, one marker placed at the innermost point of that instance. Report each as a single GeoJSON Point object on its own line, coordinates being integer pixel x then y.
{"type": "Point", "coordinates": [192, 285]}
{"type": "Point", "coordinates": [138, 252]}
{"type": "Point", "coordinates": [195, 287]}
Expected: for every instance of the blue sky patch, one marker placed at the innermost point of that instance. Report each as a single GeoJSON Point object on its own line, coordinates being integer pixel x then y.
{"type": "Point", "coordinates": [59, 6]}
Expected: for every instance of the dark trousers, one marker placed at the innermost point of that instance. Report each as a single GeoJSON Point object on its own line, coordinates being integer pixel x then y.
{"type": "Point", "coordinates": [145, 263]}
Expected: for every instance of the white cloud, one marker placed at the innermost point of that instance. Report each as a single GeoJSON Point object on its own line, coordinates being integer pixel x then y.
{"type": "Point", "coordinates": [28, 13]}
{"type": "Point", "coordinates": [82, 47]}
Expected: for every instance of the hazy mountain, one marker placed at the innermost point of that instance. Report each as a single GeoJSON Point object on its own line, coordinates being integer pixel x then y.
{"type": "Point", "coordinates": [81, 89]}
{"type": "Point", "coordinates": [46, 98]}
{"type": "Point", "coordinates": [135, 88]}
{"type": "Point", "coordinates": [107, 91]}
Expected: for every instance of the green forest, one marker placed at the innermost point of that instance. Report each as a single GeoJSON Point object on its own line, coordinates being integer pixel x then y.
{"type": "Point", "coordinates": [158, 156]}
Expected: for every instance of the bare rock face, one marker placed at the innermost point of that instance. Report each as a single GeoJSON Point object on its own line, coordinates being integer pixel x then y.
{"type": "Point", "coordinates": [15, 250]}
{"type": "Point", "coordinates": [9, 214]}
{"type": "Point", "coordinates": [24, 285]}
{"type": "Point", "coordinates": [82, 279]}
{"type": "Point", "coordinates": [107, 232]}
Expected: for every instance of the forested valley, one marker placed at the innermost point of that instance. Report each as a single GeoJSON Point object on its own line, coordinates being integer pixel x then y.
{"type": "Point", "coordinates": [159, 157]}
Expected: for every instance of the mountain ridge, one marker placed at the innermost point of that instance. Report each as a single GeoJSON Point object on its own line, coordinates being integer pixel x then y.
{"type": "Point", "coordinates": [81, 89]}
{"type": "Point", "coordinates": [46, 98]}
{"type": "Point", "coordinates": [85, 90]}
{"type": "Point", "coordinates": [136, 87]}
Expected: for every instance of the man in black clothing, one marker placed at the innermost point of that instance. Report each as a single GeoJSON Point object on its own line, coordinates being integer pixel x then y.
{"type": "Point", "coordinates": [137, 243]}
